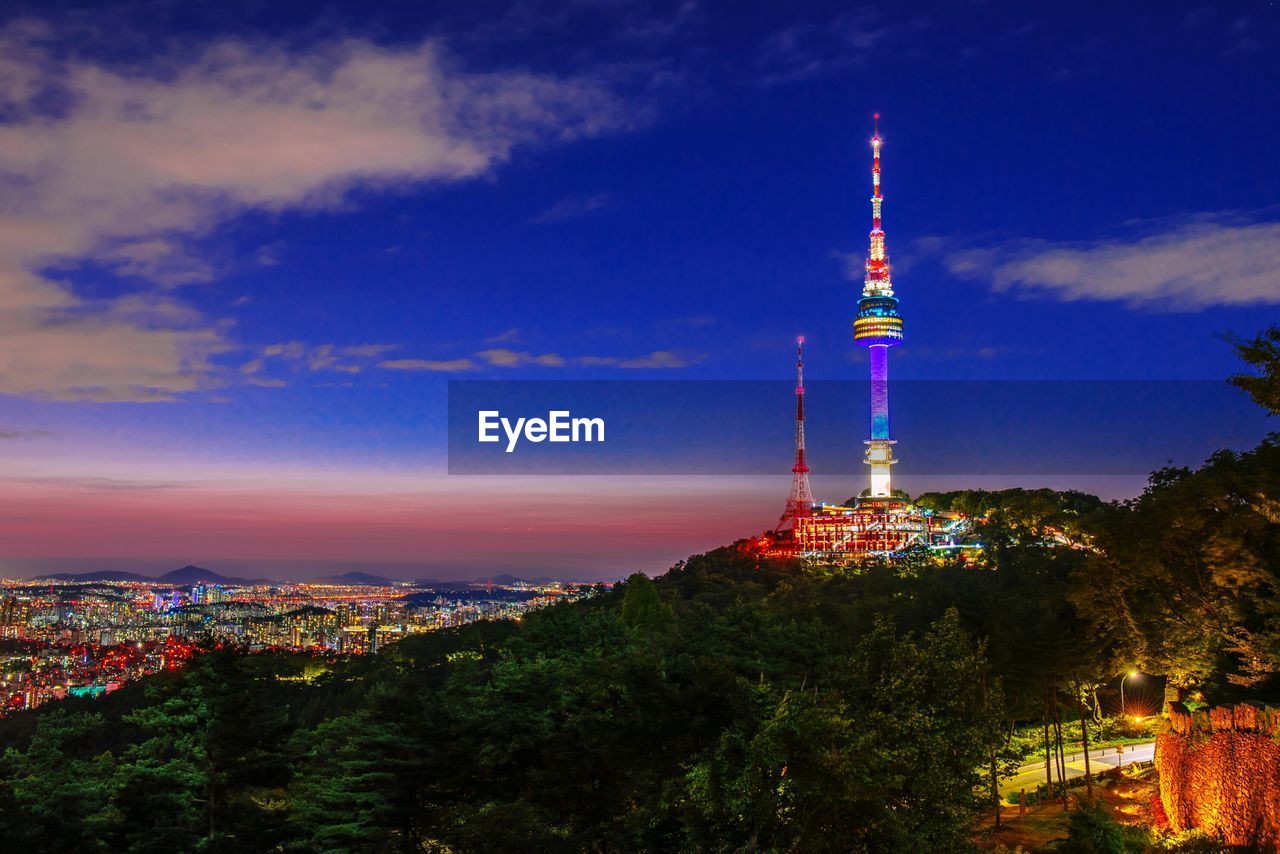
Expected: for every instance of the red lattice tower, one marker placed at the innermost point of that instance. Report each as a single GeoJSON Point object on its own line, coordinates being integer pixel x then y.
{"type": "Point", "coordinates": [800, 501]}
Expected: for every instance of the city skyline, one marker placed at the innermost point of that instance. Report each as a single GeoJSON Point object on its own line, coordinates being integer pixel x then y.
{"type": "Point", "coordinates": [242, 260]}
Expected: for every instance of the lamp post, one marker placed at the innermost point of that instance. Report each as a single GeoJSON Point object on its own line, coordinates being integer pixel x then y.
{"type": "Point", "coordinates": [1122, 678]}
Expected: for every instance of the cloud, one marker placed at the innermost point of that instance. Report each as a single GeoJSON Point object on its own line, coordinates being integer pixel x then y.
{"type": "Point", "coordinates": [505, 337]}
{"type": "Point", "coordinates": [159, 260]}
{"type": "Point", "coordinates": [574, 207]}
{"type": "Point", "coordinates": [128, 166]}
{"type": "Point", "coordinates": [1188, 266]}
{"type": "Point", "coordinates": [345, 359]}
{"type": "Point", "coordinates": [268, 255]}
{"type": "Point", "coordinates": [501, 357]}
{"type": "Point", "coordinates": [367, 351]}
{"type": "Point", "coordinates": [287, 350]}
{"type": "Point", "coordinates": [808, 49]}
{"type": "Point", "coordinates": [664, 359]}
{"type": "Point", "coordinates": [504, 358]}
{"type": "Point", "coordinates": [1198, 17]}
{"type": "Point", "coordinates": [656, 359]}
{"type": "Point", "coordinates": [8, 434]}
{"type": "Point", "coordinates": [445, 366]}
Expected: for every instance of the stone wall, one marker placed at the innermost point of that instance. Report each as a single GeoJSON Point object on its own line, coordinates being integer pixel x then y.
{"type": "Point", "coordinates": [1220, 771]}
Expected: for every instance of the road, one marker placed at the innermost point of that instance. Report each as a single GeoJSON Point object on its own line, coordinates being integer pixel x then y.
{"type": "Point", "coordinates": [1032, 774]}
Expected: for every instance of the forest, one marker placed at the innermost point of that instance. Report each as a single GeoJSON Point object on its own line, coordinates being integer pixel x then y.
{"type": "Point", "coordinates": [733, 703]}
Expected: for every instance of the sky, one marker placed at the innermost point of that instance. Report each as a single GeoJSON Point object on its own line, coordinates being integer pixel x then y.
{"type": "Point", "coordinates": [244, 246]}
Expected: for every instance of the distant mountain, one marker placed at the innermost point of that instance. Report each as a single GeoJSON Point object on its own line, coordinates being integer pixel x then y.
{"type": "Point", "coordinates": [192, 574]}
{"type": "Point", "coordinates": [199, 575]}
{"type": "Point", "coordinates": [502, 580]}
{"type": "Point", "coordinates": [435, 584]}
{"type": "Point", "coordinates": [95, 576]}
{"type": "Point", "coordinates": [357, 578]}
{"type": "Point", "coordinates": [511, 579]}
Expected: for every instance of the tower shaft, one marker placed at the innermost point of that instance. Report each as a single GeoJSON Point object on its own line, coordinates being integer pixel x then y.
{"type": "Point", "coordinates": [800, 499]}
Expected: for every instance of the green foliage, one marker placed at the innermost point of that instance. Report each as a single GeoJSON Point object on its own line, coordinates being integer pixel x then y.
{"type": "Point", "coordinates": [1093, 831]}
{"type": "Point", "coordinates": [642, 607]}
{"type": "Point", "coordinates": [53, 797]}
{"type": "Point", "coordinates": [729, 704]}
{"type": "Point", "coordinates": [885, 758]}
{"type": "Point", "coordinates": [1185, 578]}
{"type": "Point", "coordinates": [1026, 510]}
{"type": "Point", "coordinates": [1263, 354]}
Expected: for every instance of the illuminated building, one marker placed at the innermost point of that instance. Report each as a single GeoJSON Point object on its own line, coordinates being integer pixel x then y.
{"type": "Point", "coordinates": [878, 326]}
{"type": "Point", "coordinates": [85, 638]}
{"type": "Point", "coordinates": [834, 531]}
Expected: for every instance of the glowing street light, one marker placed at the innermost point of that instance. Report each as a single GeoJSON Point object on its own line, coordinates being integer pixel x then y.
{"type": "Point", "coordinates": [1131, 673]}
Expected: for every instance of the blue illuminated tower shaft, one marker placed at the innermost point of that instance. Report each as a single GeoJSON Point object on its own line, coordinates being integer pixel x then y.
{"type": "Point", "coordinates": [878, 326]}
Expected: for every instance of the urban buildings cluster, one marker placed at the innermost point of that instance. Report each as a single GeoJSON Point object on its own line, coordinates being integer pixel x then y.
{"type": "Point", "coordinates": [64, 638]}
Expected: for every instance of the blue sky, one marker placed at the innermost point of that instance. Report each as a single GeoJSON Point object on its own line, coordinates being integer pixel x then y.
{"type": "Point", "coordinates": [259, 238]}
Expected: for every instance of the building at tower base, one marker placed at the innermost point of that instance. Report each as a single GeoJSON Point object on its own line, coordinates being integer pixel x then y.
{"type": "Point", "coordinates": [836, 533]}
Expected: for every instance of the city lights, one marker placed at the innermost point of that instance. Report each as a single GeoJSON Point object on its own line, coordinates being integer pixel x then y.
{"type": "Point", "coordinates": [88, 638]}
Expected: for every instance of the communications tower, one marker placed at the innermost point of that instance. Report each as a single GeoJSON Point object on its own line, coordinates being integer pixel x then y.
{"type": "Point", "coordinates": [800, 501]}
{"type": "Point", "coordinates": [878, 326]}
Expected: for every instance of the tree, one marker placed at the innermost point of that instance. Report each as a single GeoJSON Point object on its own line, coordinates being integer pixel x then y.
{"type": "Point", "coordinates": [56, 794]}
{"type": "Point", "coordinates": [209, 769]}
{"type": "Point", "coordinates": [1186, 578]}
{"type": "Point", "coordinates": [642, 607]}
{"type": "Point", "coordinates": [888, 756]}
{"type": "Point", "coordinates": [1261, 352]}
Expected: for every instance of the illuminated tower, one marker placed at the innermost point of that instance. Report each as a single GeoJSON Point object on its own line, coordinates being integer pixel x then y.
{"type": "Point", "coordinates": [800, 501]}
{"type": "Point", "coordinates": [878, 327]}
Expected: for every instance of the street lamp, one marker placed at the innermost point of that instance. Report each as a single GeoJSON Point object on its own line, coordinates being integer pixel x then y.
{"type": "Point", "coordinates": [1122, 678]}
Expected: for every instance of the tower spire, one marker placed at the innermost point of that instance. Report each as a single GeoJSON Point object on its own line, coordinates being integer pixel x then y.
{"type": "Point", "coordinates": [800, 500]}
{"type": "Point", "coordinates": [878, 326]}
{"type": "Point", "coordinates": [877, 281]}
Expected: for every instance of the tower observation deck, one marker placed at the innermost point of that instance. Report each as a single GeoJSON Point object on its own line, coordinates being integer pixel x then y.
{"type": "Point", "coordinates": [878, 326]}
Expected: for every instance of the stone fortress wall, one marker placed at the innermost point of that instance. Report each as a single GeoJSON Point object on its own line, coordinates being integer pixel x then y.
{"type": "Point", "coordinates": [1220, 772]}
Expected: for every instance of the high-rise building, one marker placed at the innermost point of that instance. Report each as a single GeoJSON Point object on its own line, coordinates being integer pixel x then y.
{"type": "Point", "coordinates": [878, 326]}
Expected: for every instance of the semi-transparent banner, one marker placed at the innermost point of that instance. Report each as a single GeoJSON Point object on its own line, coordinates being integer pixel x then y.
{"type": "Point", "coordinates": [967, 427]}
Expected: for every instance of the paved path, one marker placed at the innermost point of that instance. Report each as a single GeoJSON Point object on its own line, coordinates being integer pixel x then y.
{"type": "Point", "coordinates": [1032, 774]}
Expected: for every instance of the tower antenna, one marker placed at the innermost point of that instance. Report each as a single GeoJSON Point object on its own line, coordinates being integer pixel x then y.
{"type": "Point", "coordinates": [800, 500]}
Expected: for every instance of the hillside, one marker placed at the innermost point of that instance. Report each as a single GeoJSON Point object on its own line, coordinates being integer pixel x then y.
{"type": "Point", "coordinates": [732, 704]}
{"type": "Point", "coordinates": [631, 719]}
